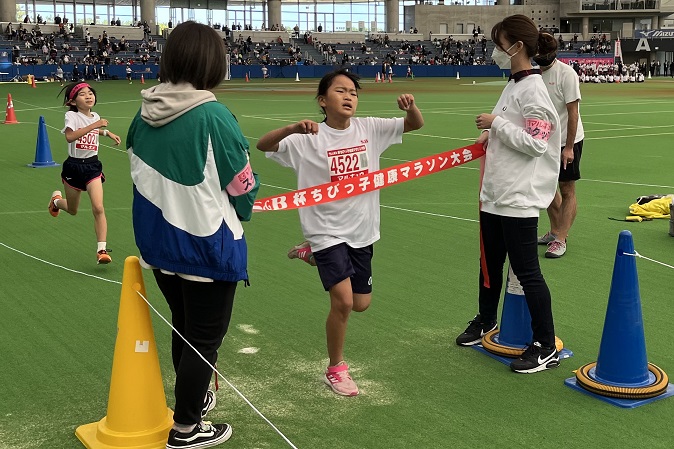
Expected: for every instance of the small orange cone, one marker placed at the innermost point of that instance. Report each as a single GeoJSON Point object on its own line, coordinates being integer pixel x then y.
{"type": "Point", "coordinates": [10, 116]}
{"type": "Point", "coordinates": [32, 83]}
{"type": "Point", "coordinates": [247, 79]}
{"type": "Point", "coordinates": [376, 78]}
{"type": "Point", "coordinates": [142, 79]}
{"type": "Point", "coordinates": [390, 78]}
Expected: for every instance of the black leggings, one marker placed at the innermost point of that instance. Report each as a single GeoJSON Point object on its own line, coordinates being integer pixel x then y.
{"type": "Point", "coordinates": [200, 311]}
{"type": "Point", "coordinates": [516, 238]}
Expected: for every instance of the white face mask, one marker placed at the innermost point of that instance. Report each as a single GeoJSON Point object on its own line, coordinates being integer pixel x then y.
{"type": "Point", "coordinates": [502, 58]}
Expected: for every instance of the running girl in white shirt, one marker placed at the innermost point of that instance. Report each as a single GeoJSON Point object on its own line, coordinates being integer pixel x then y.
{"type": "Point", "coordinates": [82, 171]}
{"type": "Point", "coordinates": [341, 234]}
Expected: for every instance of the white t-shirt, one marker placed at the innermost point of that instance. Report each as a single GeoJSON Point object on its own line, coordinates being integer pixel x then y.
{"type": "Point", "coordinates": [87, 145]}
{"type": "Point", "coordinates": [564, 88]}
{"type": "Point", "coordinates": [332, 155]}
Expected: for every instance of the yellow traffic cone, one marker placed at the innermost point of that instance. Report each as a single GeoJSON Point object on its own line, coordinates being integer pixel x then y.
{"type": "Point", "coordinates": [138, 417]}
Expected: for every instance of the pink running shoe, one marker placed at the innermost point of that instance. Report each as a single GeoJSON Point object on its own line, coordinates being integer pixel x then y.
{"type": "Point", "coordinates": [302, 251]}
{"type": "Point", "coordinates": [337, 377]}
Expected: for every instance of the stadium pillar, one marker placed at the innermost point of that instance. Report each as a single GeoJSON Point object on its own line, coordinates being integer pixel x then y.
{"type": "Point", "coordinates": [8, 12]}
{"type": "Point", "coordinates": [586, 28]}
{"type": "Point", "coordinates": [274, 12]}
{"type": "Point", "coordinates": [147, 8]}
{"type": "Point", "coordinates": [655, 23]}
{"type": "Point", "coordinates": [392, 16]}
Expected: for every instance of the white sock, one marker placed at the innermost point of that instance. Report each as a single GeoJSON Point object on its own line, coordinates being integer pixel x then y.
{"type": "Point", "coordinates": [101, 246]}
{"type": "Point", "coordinates": [183, 428]}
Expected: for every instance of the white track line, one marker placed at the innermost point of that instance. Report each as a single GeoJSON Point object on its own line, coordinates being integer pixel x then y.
{"type": "Point", "coordinates": [167, 322]}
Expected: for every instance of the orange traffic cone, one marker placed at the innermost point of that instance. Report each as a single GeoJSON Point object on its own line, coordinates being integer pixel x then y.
{"type": "Point", "coordinates": [32, 83]}
{"type": "Point", "coordinates": [390, 78]}
{"type": "Point", "coordinates": [138, 417]}
{"type": "Point", "coordinates": [247, 79]}
{"type": "Point", "coordinates": [142, 79]}
{"type": "Point", "coordinates": [10, 116]}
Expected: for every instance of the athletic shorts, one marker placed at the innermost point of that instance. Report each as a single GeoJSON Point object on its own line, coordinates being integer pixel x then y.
{"type": "Point", "coordinates": [572, 172]}
{"type": "Point", "coordinates": [77, 173]}
{"type": "Point", "coordinates": [339, 262]}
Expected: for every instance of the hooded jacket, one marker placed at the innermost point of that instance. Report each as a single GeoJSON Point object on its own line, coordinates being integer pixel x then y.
{"type": "Point", "coordinates": [192, 184]}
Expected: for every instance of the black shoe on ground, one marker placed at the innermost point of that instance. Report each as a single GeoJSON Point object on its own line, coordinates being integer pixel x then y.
{"type": "Point", "coordinates": [475, 331]}
{"type": "Point", "coordinates": [536, 358]}
{"type": "Point", "coordinates": [209, 403]}
{"type": "Point", "coordinates": [204, 435]}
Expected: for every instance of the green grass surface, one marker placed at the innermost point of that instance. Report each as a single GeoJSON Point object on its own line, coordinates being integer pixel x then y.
{"type": "Point", "coordinates": [57, 327]}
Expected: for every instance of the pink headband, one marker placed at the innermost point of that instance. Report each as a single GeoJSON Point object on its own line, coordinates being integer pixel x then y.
{"type": "Point", "coordinates": [77, 88]}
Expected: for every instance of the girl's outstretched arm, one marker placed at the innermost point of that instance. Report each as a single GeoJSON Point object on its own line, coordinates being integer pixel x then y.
{"type": "Point", "coordinates": [73, 135]}
{"type": "Point", "coordinates": [413, 120]}
{"type": "Point", "coordinates": [270, 141]}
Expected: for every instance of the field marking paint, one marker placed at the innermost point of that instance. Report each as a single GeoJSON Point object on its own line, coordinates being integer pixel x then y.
{"type": "Point", "coordinates": [247, 329]}
{"type": "Point", "coordinates": [629, 136]}
{"type": "Point", "coordinates": [250, 404]}
{"type": "Point", "coordinates": [34, 107]}
{"type": "Point", "coordinates": [430, 213]}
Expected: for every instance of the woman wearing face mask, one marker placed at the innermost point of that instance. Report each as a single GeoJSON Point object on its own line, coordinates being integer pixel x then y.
{"type": "Point", "coordinates": [521, 167]}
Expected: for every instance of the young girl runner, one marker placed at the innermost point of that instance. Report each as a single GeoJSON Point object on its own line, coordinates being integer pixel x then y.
{"type": "Point", "coordinates": [341, 234]}
{"type": "Point", "coordinates": [192, 188]}
{"type": "Point", "coordinates": [82, 171]}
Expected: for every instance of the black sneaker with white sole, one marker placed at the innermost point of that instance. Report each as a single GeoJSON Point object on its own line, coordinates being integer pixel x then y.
{"type": "Point", "coordinates": [203, 435]}
{"type": "Point", "coordinates": [477, 328]}
{"type": "Point", "coordinates": [209, 403]}
{"type": "Point", "coordinates": [536, 358]}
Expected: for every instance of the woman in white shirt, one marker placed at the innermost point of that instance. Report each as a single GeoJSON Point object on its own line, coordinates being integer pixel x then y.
{"type": "Point", "coordinates": [520, 178]}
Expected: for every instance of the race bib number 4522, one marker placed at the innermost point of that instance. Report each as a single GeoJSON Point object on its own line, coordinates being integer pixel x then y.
{"type": "Point", "coordinates": [347, 163]}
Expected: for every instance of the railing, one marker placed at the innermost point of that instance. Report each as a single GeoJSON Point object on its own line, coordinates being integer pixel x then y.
{"type": "Point", "coordinates": [620, 5]}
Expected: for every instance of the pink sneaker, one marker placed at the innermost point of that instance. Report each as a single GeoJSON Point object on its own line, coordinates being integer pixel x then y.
{"type": "Point", "coordinates": [302, 251]}
{"type": "Point", "coordinates": [337, 377]}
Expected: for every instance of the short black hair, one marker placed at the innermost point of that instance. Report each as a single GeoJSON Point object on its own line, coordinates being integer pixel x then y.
{"type": "Point", "coordinates": [328, 78]}
{"type": "Point", "coordinates": [194, 54]}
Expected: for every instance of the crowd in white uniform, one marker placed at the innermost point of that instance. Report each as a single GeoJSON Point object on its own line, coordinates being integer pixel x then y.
{"type": "Point", "coordinates": [608, 73]}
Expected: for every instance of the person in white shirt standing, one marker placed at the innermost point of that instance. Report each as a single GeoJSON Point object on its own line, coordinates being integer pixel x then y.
{"type": "Point", "coordinates": [564, 89]}
{"type": "Point", "coordinates": [341, 234]}
{"type": "Point", "coordinates": [521, 167]}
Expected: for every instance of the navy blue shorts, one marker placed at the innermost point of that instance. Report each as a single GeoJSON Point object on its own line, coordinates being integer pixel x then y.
{"type": "Point", "coordinates": [339, 262]}
{"type": "Point", "coordinates": [77, 173]}
{"type": "Point", "coordinates": [572, 172]}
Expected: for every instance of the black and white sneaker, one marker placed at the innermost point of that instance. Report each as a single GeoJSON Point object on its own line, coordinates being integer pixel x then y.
{"type": "Point", "coordinates": [475, 331]}
{"type": "Point", "coordinates": [536, 358]}
{"type": "Point", "coordinates": [203, 435]}
{"type": "Point", "coordinates": [209, 403]}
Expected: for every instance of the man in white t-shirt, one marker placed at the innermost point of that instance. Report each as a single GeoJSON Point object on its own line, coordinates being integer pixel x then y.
{"type": "Point", "coordinates": [564, 89]}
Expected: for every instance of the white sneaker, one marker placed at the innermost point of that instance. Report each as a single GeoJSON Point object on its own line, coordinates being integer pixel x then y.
{"type": "Point", "coordinates": [556, 249]}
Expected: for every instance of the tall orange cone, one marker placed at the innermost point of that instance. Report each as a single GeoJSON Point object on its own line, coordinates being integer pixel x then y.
{"type": "Point", "coordinates": [10, 116]}
{"type": "Point", "coordinates": [32, 83]}
{"type": "Point", "coordinates": [376, 80]}
{"type": "Point", "coordinates": [142, 79]}
{"type": "Point", "coordinates": [247, 79]}
{"type": "Point", "coordinates": [138, 417]}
